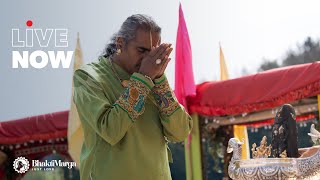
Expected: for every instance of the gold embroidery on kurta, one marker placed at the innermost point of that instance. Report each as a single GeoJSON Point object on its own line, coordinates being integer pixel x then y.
{"type": "Point", "coordinates": [165, 98]}
{"type": "Point", "coordinates": [133, 98]}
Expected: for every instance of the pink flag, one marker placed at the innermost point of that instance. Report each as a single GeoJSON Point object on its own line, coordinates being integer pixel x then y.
{"type": "Point", "coordinates": [184, 81]}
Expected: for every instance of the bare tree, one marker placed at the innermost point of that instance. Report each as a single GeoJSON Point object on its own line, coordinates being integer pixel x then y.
{"type": "Point", "coordinates": [307, 52]}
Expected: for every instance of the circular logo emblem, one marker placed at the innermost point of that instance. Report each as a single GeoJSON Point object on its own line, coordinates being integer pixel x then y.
{"type": "Point", "coordinates": [21, 165]}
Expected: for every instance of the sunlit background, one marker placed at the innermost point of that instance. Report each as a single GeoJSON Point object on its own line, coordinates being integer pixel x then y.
{"type": "Point", "coordinates": [250, 33]}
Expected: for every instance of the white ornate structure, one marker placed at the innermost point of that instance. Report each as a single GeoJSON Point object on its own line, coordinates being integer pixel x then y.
{"type": "Point", "coordinates": [307, 166]}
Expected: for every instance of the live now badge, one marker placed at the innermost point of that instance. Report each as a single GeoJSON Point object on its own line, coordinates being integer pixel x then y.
{"type": "Point", "coordinates": [40, 38]}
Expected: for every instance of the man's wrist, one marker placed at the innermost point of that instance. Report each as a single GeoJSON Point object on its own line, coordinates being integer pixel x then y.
{"type": "Point", "coordinates": [148, 77]}
{"type": "Point", "coordinates": [144, 79]}
{"type": "Point", "coordinates": [160, 80]}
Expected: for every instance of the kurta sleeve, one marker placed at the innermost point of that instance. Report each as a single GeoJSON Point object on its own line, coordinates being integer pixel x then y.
{"type": "Point", "coordinates": [176, 121]}
{"type": "Point", "coordinates": [111, 120]}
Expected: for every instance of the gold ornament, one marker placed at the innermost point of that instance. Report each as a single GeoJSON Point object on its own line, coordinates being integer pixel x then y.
{"type": "Point", "coordinates": [263, 151]}
{"type": "Point", "coordinates": [283, 154]}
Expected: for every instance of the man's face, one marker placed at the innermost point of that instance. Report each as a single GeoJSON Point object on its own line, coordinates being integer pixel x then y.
{"type": "Point", "coordinates": [137, 49]}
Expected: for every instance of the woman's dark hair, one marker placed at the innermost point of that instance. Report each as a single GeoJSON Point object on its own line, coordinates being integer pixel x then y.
{"type": "Point", "coordinates": [284, 132]}
{"type": "Point", "coordinates": [128, 31]}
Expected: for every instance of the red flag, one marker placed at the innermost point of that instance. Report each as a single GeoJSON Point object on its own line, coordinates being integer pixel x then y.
{"type": "Point", "coordinates": [184, 81]}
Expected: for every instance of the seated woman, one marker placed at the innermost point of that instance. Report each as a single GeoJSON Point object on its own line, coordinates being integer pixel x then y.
{"type": "Point", "coordinates": [284, 133]}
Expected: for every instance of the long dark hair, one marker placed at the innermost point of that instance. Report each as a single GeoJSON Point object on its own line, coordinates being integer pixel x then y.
{"type": "Point", "coordinates": [284, 132]}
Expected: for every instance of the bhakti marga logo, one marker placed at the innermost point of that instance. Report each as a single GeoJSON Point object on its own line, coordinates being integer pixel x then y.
{"type": "Point", "coordinates": [21, 165]}
{"type": "Point", "coordinates": [30, 45]}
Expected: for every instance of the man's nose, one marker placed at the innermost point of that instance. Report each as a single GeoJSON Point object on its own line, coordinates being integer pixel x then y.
{"type": "Point", "coordinates": [145, 54]}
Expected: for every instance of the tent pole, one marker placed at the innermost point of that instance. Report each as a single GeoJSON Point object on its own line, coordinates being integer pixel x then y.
{"type": "Point", "coordinates": [319, 110]}
{"type": "Point", "coordinates": [193, 152]}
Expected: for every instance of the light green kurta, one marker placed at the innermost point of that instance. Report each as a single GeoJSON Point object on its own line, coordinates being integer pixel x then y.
{"type": "Point", "coordinates": [126, 128]}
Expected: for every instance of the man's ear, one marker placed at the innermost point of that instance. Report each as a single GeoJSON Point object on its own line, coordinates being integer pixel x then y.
{"type": "Point", "coordinates": [120, 43]}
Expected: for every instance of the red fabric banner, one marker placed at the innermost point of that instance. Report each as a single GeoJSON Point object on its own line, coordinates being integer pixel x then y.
{"type": "Point", "coordinates": [43, 127]}
{"type": "Point", "coordinates": [260, 91]}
